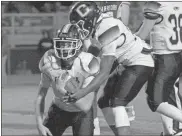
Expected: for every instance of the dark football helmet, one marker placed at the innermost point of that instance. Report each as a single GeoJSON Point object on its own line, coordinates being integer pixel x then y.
{"type": "Point", "coordinates": [67, 44]}
{"type": "Point", "coordinates": [85, 14]}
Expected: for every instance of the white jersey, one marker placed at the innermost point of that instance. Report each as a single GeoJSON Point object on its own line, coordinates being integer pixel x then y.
{"type": "Point", "coordinates": [112, 8]}
{"type": "Point", "coordinates": [81, 67]}
{"type": "Point", "coordinates": [117, 40]}
{"type": "Point", "coordinates": [166, 35]}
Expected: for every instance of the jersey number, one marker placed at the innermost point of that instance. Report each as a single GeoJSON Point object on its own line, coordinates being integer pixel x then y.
{"type": "Point", "coordinates": [177, 28]}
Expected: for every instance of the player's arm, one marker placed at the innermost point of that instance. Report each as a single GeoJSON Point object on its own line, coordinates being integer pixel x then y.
{"type": "Point", "coordinates": [109, 41]}
{"type": "Point", "coordinates": [91, 68]}
{"type": "Point", "coordinates": [150, 19]}
{"type": "Point", "coordinates": [89, 46]}
{"type": "Point", "coordinates": [40, 104]}
{"type": "Point", "coordinates": [86, 102]}
{"type": "Point", "coordinates": [123, 12]}
{"type": "Point", "coordinates": [45, 64]}
{"type": "Point", "coordinates": [105, 67]}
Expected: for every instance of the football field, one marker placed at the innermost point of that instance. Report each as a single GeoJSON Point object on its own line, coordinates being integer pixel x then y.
{"type": "Point", "coordinates": [18, 100]}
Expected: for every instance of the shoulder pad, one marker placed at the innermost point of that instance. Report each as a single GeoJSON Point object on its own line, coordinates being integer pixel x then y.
{"type": "Point", "coordinates": [48, 61]}
{"type": "Point", "coordinates": [86, 59]}
{"type": "Point", "coordinates": [151, 10]}
{"type": "Point", "coordinates": [48, 54]}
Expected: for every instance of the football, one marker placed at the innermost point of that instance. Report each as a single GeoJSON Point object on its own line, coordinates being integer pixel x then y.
{"type": "Point", "coordinates": [74, 83]}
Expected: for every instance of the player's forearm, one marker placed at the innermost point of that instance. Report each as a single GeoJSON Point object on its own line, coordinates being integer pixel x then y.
{"type": "Point", "coordinates": [124, 8]}
{"type": "Point", "coordinates": [40, 104]}
{"type": "Point", "coordinates": [97, 82]}
{"type": "Point", "coordinates": [86, 102]}
{"type": "Point", "coordinates": [105, 68]}
{"type": "Point", "coordinates": [145, 29]}
{"type": "Point", "coordinates": [140, 33]}
{"type": "Point", "coordinates": [39, 110]}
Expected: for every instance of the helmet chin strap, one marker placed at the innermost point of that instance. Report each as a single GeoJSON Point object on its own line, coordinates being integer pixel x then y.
{"type": "Point", "coordinates": [94, 25]}
{"type": "Point", "coordinates": [66, 65]}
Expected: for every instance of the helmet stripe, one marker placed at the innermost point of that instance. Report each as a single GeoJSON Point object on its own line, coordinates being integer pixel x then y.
{"type": "Point", "coordinates": [66, 28]}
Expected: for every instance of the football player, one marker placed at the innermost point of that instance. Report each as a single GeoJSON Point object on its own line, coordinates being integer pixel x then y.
{"type": "Point", "coordinates": [114, 9]}
{"type": "Point", "coordinates": [163, 20]}
{"type": "Point", "coordinates": [65, 68]}
{"type": "Point", "coordinates": [117, 45]}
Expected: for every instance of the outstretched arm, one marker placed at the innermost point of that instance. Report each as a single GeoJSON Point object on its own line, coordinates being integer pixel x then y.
{"type": "Point", "coordinates": [105, 67]}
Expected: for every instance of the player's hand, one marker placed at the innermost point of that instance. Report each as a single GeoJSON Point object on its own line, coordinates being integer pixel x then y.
{"type": "Point", "coordinates": [54, 74]}
{"type": "Point", "coordinates": [67, 98]}
{"type": "Point", "coordinates": [44, 131]}
{"type": "Point", "coordinates": [74, 97]}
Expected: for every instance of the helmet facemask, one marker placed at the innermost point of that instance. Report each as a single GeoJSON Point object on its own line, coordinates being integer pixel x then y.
{"type": "Point", "coordinates": [66, 48]}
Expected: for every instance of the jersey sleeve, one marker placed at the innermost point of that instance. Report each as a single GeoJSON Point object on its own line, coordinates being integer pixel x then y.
{"type": "Point", "coordinates": [107, 40]}
{"type": "Point", "coordinates": [45, 81]}
{"type": "Point", "coordinates": [151, 10]}
{"type": "Point", "coordinates": [109, 50]}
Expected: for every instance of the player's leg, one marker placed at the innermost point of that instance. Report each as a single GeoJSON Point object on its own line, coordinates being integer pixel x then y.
{"type": "Point", "coordinates": [180, 84]}
{"type": "Point", "coordinates": [171, 126]}
{"type": "Point", "coordinates": [166, 121]}
{"type": "Point", "coordinates": [57, 120]}
{"type": "Point", "coordinates": [167, 125]}
{"type": "Point", "coordinates": [107, 92]}
{"type": "Point", "coordinates": [96, 119]}
{"type": "Point", "coordinates": [167, 70]}
{"type": "Point", "coordinates": [127, 87]}
{"type": "Point", "coordinates": [83, 124]}
{"type": "Point", "coordinates": [177, 101]}
{"type": "Point", "coordinates": [104, 100]}
{"type": "Point", "coordinates": [177, 125]}
{"type": "Point", "coordinates": [171, 71]}
{"type": "Point", "coordinates": [109, 116]}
